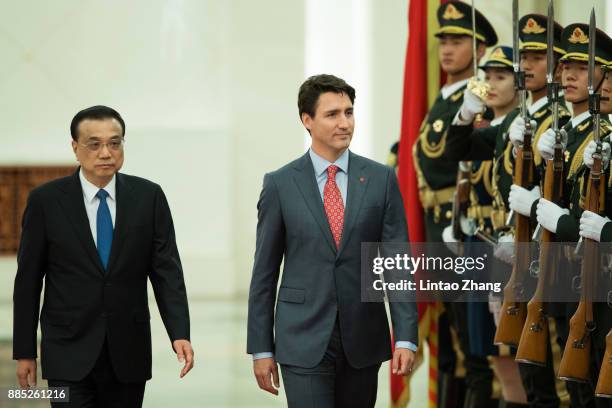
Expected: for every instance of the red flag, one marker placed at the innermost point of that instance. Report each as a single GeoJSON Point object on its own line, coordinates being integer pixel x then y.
{"type": "Point", "coordinates": [422, 79]}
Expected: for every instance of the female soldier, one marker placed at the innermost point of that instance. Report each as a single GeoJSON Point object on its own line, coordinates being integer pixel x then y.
{"type": "Point", "coordinates": [501, 99]}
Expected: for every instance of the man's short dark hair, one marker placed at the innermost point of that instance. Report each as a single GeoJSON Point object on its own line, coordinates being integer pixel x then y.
{"type": "Point", "coordinates": [314, 86]}
{"type": "Point", "coordinates": [98, 112]}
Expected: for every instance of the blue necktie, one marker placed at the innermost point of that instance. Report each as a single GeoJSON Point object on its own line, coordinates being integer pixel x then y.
{"type": "Point", "coordinates": [104, 226]}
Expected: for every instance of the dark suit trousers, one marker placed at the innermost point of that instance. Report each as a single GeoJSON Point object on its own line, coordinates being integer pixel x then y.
{"type": "Point", "coordinates": [331, 383]}
{"type": "Point", "coordinates": [100, 388]}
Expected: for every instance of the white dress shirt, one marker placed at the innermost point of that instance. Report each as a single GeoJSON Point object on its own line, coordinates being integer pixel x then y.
{"type": "Point", "coordinates": [448, 90]}
{"type": "Point", "coordinates": [92, 202]}
{"type": "Point", "coordinates": [577, 120]}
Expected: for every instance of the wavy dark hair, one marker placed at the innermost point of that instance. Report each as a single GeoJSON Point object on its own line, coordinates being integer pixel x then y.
{"type": "Point", "coordinates": [308, 96]}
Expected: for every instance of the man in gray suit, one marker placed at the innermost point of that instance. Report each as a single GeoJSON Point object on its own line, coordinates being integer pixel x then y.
{"type": "Point", "coordinates": [314, 213]}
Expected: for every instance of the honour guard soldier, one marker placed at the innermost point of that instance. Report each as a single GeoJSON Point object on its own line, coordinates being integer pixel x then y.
{"type": "Point", "coordinates": [501, 99]}
{"type": "Point", "coordinates": [539, 381]}
{"type": "Point", "coordinates": [562, 218]}
{"type": "Point", "coordinates": [436, 175]}
{"type": "Point", "coordinates": [599, 228]}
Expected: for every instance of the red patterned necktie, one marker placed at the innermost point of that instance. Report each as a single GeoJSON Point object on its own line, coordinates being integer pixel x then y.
{"type": "Point", "coordinates": [334, 207]}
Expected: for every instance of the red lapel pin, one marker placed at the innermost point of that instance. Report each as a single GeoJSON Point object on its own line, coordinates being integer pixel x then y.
{"type": "Point", "coordinates": [361, 179]}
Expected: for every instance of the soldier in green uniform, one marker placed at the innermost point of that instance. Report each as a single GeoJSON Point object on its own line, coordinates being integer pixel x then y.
{"type": "Point", "coordinates": [465, 143]}
{"type": "Point", "coordinates": [539, 381]}
{"type": "Point", "coordinates": [563, 218]}
{"type": "Point", "coordinates": [502, 98]}
{"type": "Point", "coordinates": [595, 226]}
{"type": "Point", "coordinates": [436, 175]}
{"type": "Point", "coordinates": [599, 227]}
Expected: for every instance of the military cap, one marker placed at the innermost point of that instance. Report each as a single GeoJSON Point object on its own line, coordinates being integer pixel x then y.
{"type": "Point", "coordinates": [532, 32]}
{"type": "Point", "coordinates": [576, 44]}
{"type": "Point", "coordinates": [455, 18]}
{"type": "Point", "coordinates": [500, 57]}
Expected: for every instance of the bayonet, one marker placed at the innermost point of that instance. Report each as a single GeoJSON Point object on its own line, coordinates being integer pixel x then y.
{"type": "Point", "coordinates": [474, 45]}
{"type": "Point", "coordinates": [553, 88]}
{"type": "Point", "coordinates": [515, 37]}
{"type": "Point", "coordinates": [594, 97]}
{"type": "Point", "coordinates": [519, 82]}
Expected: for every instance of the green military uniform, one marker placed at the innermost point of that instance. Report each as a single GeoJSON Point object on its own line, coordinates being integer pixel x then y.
{"type": "Point", "coordinates": [436, 175]}
{"type": "Point", "coordinates": [482, 181]}
{"type": "Point", "coordinates": [436, 178]}
{"type": "Point", "coordinates": [606, 232]}
{"type": "Point", "coordinates": [468, 144]}
{"type": "Point", "coordinates": [579, 134]}
{"type": "Point", "coordinates": [576, 175]}
{"type": "Point", "coordinates": [540, 382]}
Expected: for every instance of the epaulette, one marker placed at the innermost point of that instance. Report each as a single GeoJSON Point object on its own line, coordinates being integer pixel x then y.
{"type": "Point", "coordinates": [586, 124]}
{"type": "Point", "coordinates": [456, 96]}
{"type": "Point", "coordinates": [563, 112]}
{"type": "Point", "coordinates": [540, 113]}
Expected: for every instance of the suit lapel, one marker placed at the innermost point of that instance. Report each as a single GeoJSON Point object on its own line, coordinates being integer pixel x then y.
{"type": "Point", "coordinates": [307, 184]}
{"type": "Point", "coordinates": [74, 208]}
{"type": "Point", "coordinates": [357, 185]}
{"type": "Point", "coordinates": [123, 200]}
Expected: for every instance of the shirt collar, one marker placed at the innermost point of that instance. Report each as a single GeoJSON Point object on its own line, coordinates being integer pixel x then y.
{"type": "Point", "coordinates": [320, 164]}
{"type": "Point", "coordinates": [448, 90]}
{"type": "Point", "coordinates": [537, 105]}
{"type": "Point", "coordinates": [498, 120]}
{"type": "Point", "coordinates": [90, 190]}
{"type": "Point", "coordinates": [580, 118]}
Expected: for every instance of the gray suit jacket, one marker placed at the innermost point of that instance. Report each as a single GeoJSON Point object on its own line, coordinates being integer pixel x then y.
{"type": "Point", "coordinates": [319, 282]}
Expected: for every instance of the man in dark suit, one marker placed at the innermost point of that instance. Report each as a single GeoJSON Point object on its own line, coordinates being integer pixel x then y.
{"type": "Point", "coordinates": [314, 213]}
{"type": "Point", "coordinates": [94, 238]}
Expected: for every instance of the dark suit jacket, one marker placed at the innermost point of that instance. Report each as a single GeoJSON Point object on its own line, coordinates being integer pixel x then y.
{"type": "Point", "coordinates": [320, 282]}
{"type": "Point", "coordinates": [83, 304]}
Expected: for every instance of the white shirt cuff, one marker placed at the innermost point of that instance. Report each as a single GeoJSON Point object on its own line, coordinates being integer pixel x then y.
{"type": "Point", "coordinates": [406, 345]}
{"type": "Point", "coordinates": [265, 354]}
{"type": "Point", "coordinates": [458, 121]}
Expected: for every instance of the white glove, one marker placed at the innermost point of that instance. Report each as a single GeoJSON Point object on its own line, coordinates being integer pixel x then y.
{"type": "Point", "coordinates": [591, 225]}
{"type": "Point", "coordinates": [495, 304]}
{"type": "Point", "coordinates": [449, 240]}
{"type": "Point", "coordinates": [587, 156]}
{"type": "Point", "coordinates": [549, 214]}
{"type": "Point", "coordinates": [546, 144]}
{"type": "Point", "coordinates": [521, 199]}
{"type": "Point", "coordinates": [504, 250]}
{"type": "Point", "coordinates": [472, 105]}
{"type": "Point", "coordinates": [516, 131]}
{"type": "Point", "coordinates": [447, 235]}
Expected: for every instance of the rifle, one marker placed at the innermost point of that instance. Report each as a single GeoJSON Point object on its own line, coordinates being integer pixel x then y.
{"type": "Point", "coordinates": [513, 311]}
{"type": "Point", "coordinates": [535, 336]}
{"type": "Point", "coordinates": [604, 384]}
{"type": "Point", "coordinates": [461, 198]}
{"type": "Point", "coordinates": [576, 355]}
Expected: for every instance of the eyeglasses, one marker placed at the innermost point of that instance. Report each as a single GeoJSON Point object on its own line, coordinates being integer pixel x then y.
{"type": "Point", "coordinates": [94, 146]}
